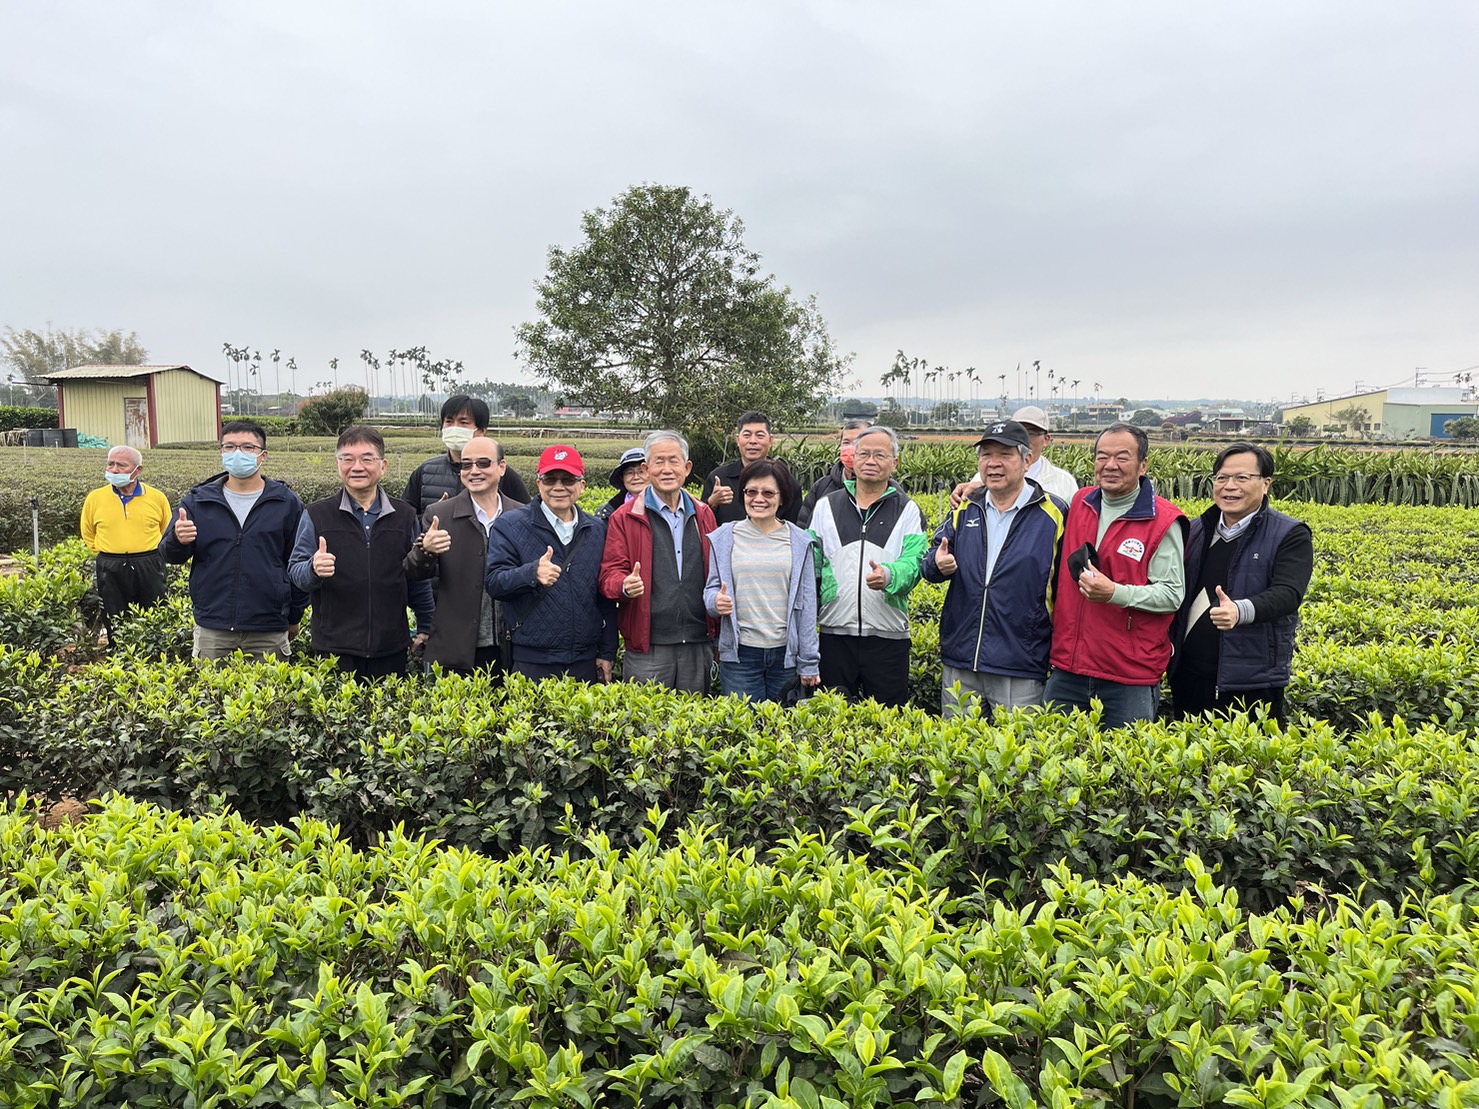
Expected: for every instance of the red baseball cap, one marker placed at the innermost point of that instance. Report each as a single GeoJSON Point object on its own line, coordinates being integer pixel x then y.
{"type": "Point", "coordinates": [561, 457]}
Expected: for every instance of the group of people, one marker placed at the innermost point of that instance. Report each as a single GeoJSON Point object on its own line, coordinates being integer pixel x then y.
{"type": "Point", "coordinates": [1055, 595]}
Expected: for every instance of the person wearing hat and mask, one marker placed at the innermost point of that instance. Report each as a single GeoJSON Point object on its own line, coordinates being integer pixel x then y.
{"type": "Point", "coordinates": [628, 479]}
{"type": "Point", "coordinates": [1040, 468]}
{"type": "Point", "coordinates": [438, 479]}
{"type": "Point", "coordinates": [999, 550]}
{"type": "Point", "coordinates": [122, 524]}
{"type": "Point", "coordinates": [544, 564]}
{"type": "Point", "coordinates": [721, 488]}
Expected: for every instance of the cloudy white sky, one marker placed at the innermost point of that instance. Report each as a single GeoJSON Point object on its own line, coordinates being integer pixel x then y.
{"type": "Point", "coordinates": [1243, 200]}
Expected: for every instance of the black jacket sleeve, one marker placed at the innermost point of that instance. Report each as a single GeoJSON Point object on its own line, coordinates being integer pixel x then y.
{"type": "Point", "coordinates": [512, 486]}
{"type": "Point", "coordinates": [1294, 562]}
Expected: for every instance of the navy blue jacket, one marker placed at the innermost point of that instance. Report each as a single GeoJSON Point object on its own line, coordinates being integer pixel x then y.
{"type": "Point", "coordinates": [1271, 566]}
{"type": "Point", "coordinates": [239, 573]}
{"type": "Point", "coordinates": [1006, 628]}
{"type": "Point", "coordinates": [570, 621]}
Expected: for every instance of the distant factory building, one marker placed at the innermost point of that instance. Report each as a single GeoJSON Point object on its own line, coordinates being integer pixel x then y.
{"type": "Point", "coordinates": [1418, 413]}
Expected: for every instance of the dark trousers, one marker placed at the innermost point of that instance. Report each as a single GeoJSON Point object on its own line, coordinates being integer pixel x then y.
{"type": "Point", "coordinates": [1123, 704]}
{"type": "Point", "coordinates": [483, 658]}
{"type": "Point", "coordinates": [129, 579]}
{"type": "Point", "coordinates": [585, 670]}
{"type": "Point", "coordinates": [862, 666]}
{"type": "Point", "coordinates": [1198, 696]}
{"type": "Point", "coordinates": [385, 666]}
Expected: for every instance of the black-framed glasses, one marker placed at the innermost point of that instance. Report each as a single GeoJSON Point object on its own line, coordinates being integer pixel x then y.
{"type": "Point", "coordinates": [560, 478]}
{"type": "Point", "coordinates": [245, 448]}
{"type": "Point", "coordinates": [481, 463]}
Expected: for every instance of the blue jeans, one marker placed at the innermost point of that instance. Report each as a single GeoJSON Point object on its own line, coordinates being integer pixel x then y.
{"type": "Point", "coordinates": [1122, 703]}
{"type": "Point", "coordinates": [760, 673]}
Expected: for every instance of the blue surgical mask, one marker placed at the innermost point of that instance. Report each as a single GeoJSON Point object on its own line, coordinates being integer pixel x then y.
{"type": "Point", "coordinates": [118, 481]}
{"type": "Point", "coordinates": [240, 464]}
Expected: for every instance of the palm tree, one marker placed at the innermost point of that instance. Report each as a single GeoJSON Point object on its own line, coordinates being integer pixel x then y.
{"type": "Point", "coordinates": [277, 376]}
{"type": "Point", "coordinates": [334, 365]}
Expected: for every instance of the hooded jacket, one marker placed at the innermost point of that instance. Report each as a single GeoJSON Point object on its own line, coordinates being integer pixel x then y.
{"type": "Point", "coordinates": [239, 572]}
{"type": "Point", "coordinates": [890, 532]}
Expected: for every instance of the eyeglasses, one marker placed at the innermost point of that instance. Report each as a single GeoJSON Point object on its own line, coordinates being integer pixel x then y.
{"type": "Point", "coordinates": [1236, 479]}
{"type": "Point", "coordinates": [762, 494]}
{"type": "Point", "coordinates": [481, 463]}
{"type": "Point", "coordinates": [872, 456]}
{"type": "Point", "coordinates": [362, 459]}
{"type": "Point", "coordinates": [560, 479]}
{"type": "Point", "coordinates": [244, 448]}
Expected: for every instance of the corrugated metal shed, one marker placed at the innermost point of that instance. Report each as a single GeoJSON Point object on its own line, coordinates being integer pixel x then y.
{"type": "Point", "coordinates": [141, 406]}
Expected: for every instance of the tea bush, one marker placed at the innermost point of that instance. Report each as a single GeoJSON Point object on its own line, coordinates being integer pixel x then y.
{"type": "Point", "coordinates": [970, 805]}
{"type": "Point", "coordinates": [149, 959]}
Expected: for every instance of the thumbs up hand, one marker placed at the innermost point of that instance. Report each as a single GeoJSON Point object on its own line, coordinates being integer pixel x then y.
{"type": "Point", "coordinates": [1224, 613]}
{"type": "Point", "coordinates": [545, 570]}
{"type": "Point", "coordinates": [722, 494]}
{"type": "Point", "coordinates": [184, 528]}
{"type": "Point", "coordinates": [877, 576]}
{"type": "Point", "coordinates": [323, 562]}
{"type": "Point", "coordinates": [944, 560]}
{"type": "Point", "coordinates": [436, 540]}
{"type": "Point", "coordinates": [724, 603]}
{"type": "Point", "coordinates": [631, 585]}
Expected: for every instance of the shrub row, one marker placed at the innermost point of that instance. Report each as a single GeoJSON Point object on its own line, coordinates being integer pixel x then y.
{"type": "Point", "coordinates": [152, 960]}
{"type": "Point", "coordinates": [15, 416]}
{"type": "Point", "coordinates": [972, 805]}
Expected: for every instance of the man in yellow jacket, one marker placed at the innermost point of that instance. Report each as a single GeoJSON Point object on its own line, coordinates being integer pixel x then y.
{"type": "Point", "coordinates": [122, 523]}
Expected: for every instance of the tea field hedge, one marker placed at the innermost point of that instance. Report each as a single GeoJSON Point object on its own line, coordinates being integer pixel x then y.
{"type": "Point", "coordinates": [298, 890]}
{"type": "Point", "coordinates": [153, 959]}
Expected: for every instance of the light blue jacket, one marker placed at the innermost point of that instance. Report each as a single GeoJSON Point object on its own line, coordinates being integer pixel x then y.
{"type": "Point", "coordinates": [803, 649]}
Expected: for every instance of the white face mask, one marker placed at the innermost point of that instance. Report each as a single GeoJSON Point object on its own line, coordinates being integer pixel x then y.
{"type": "Point", "coordinates": [455, 438]}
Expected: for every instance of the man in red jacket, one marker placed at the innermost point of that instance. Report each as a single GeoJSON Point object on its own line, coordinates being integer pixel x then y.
{"type": "Point", "coordinates": [654, 566]}
{"type": "Point", "coordinates": [1121, 578]}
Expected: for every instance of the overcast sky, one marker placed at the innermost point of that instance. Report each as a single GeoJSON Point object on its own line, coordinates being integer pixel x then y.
{"type": "Point", "coordinates": [1241, 200]}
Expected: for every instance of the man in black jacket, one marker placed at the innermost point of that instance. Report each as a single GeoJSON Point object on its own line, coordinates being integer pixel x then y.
{"type": "Point", "coordinates": [438, 478]}
{"type": "Point", "coordinates": [1247, 569]}
{"type": "Point", "coordinates": [721, 488]}
{"type": "Point", "coordinates": [349, 556]}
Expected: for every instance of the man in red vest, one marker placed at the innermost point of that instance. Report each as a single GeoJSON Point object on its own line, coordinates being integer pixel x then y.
{"type": "Point", "coordinates": [1121, 579]}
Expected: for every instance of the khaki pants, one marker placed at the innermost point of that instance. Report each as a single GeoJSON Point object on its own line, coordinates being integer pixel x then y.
{"type": "Point", "coordinates": [212, 643]}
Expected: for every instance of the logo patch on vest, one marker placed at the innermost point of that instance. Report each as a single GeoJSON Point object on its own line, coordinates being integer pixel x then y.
{"type": "Point", "coordinates": [1132, 548]}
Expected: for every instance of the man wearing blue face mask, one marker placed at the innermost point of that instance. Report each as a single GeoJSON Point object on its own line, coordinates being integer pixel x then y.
{"type": "Point", "coordinates": [121, 524]}
{"type": "Point", "coordinates": [464, 418]}
{"type": "Point", "coordinates": [236, 530]}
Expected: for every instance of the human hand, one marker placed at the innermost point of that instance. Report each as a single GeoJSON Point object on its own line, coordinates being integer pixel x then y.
{"type": "Point", "coordinates": [323, 562]}
{"type": "Point", "coordinates": [631, 585]}
{"type": "Point", "coordinates": [811, 681]}
{"type": "Point", "coordinates": [436, 540]}
{"type": "Point", "coordinates": [184, 528]}
{"type": "Point", "coordinates": [604, 667]}
{"type": "Point", "coordinates": [724, 603]}
{"type": "Point", "coordinates": [419, 641]}
{"type": "Point", "coordinates": [293, 632]}
{"type": "Point", "coordinates": [545, 570]}
{"type": "Point", "coordinates": [722, 494]}
{"type": "Point", "coordinates": [964, 490]}
{"type": "Point", "coordinates": [877, 576]}
{"type": "Point", "coordinates": [944, 560]}
{"type": "Point", "coordinates": [1096, 587]}
{"type": "Point", "coordinates": [1224, 612]}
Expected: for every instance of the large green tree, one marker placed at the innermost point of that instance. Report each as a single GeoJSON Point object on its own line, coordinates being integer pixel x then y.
{"type": "Point", "coordinates": [662, 309]}
{"type": "Point", "coordinates": [34, 354]}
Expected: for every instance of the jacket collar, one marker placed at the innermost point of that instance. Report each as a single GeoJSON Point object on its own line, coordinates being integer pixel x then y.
{"type": "Point", "coordinates": [1142, 509]}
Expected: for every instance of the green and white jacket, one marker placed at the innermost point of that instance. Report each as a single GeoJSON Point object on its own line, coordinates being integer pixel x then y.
{"type": "Point", "coordinates": [889, 532]}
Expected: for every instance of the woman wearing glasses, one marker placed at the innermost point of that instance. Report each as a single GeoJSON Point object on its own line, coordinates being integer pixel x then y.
{"type": "Point", "coordinates": [762, 586]}
{"type": "Point", "coordinates": [1247, 569]}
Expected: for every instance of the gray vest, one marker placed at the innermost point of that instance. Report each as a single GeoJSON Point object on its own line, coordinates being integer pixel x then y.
{"type": "Point", "coordinates": [678, 614]}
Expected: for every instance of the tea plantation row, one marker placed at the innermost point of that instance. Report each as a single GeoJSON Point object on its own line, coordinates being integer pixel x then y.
{"type": "Point", "coordinates": [151, 959]}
